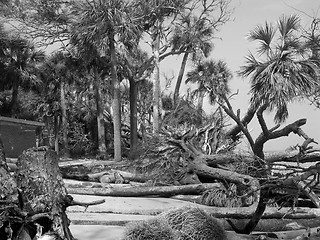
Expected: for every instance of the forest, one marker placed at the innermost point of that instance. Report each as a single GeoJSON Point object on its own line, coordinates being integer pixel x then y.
{"type": "Point", "coordinates": [90, 71]}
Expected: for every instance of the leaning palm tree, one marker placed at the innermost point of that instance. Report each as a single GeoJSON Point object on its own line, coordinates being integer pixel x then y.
{"type": "Point", "coordinates": [193, 37]}
{"type": "Point", "coordinates": [212, 78]}
{"type": "Point", "coordinates": [195, 31]}
{"type": "Point", "coordinates": [285, 70]}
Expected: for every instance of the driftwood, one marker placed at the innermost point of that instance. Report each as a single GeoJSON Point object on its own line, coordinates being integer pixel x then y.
{"type": "Point", "coordinates": [129, 191]}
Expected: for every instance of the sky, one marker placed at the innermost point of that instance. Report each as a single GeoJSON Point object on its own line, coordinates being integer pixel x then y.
{"type": "Point", "coordinates": [233, 47]}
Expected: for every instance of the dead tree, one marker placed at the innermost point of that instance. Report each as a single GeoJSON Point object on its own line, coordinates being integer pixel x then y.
{"type": "Point", "coordinates": [261, 168]}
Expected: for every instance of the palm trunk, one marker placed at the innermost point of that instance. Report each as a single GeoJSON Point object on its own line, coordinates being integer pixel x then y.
{"type": "Point", "coordinates": [133, 118]}
{"type": "Point", "coordinates": [156, 84]}
{"type": "Point", "coordinates": [116, 106]}
{"type": "Point", "coordinates": [200, 100]}
{"type": "Point", "coordinates": [179, 79]}
{"type": "Point", "coordinates": [56, 134]}
{"type": "Point", "coordinates": [14, 98]}
{"type": "Point", "coordinates": [100, 120]}
{"type": "Point", "coordinates": [64, 120]}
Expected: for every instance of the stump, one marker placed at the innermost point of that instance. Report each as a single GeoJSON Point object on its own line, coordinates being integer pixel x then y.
{"type": "Point", "coordinates": [43, 191]}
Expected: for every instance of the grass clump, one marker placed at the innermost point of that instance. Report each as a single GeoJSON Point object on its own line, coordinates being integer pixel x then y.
{"type": "Point", "coordinates": [152, 229]}
{"type": "Point", "coordinates": [185, 223]}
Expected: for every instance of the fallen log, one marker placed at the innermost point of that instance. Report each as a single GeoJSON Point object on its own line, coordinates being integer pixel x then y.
{"type": "Point", "coordinates": [96, 177]}
{"type": "Point", "coordinates": [86, 162]}
{"type": "Point", "coordinates": [126, 175]}
{"type": "Point", "coordinates": [270, 212]}
{"type": "Point", "coordinates": [129, 191]}
{"type": "Point", "coordinates": [69, 183]}
{"type": "Point", "coordinates": [274, 225]}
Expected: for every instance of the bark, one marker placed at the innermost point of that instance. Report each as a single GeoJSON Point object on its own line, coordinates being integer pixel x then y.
{"type": "Point", "coordinates": [130, 191]}
{"type": "Point", "coordinates": [116, 105]}
{"type": "Point", "coordinates": [39, 179]}
{"type": "Point", "coordinates": [179, 79]}
{"type": "Point", "coordinates": [100, 119]}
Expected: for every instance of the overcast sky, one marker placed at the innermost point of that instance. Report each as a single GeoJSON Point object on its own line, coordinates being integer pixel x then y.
{"type": "Point", "coordinates": [234, 47]}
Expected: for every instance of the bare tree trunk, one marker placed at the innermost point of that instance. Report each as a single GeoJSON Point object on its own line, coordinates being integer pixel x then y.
{"type": "Point", "coordinates": [56, 133]}
{"type": "Point", "coordinates": [64, 120]}
{"type": "Point", "coordinates": [156, 82]}
{"type": "Point", "coordinates": [133, 119]}
{"type": "Point", "coordinates": [100, 120]}
{"type": "Point", "coordinates": [116, 105]}
{"type": "Point", "coordinates": [179, 79]}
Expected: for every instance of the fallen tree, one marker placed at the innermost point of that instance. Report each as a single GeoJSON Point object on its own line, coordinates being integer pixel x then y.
{"type": "Point", "coordinates": [178, 157]}
{"type": "Point", "coordinates": [139, 191]}
{"type": "Point", "coordinates": [190, 150]}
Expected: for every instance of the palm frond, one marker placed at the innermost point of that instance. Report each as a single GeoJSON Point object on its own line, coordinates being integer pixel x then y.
{"type": "Point", "coordinates": [264, 34]}
{"type": "Point", "coordinates": [288, 24]}
{"type": "Point", "coordinates": [251, 64]}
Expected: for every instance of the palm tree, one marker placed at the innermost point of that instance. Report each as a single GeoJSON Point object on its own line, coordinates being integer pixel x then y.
{"type": "Point", "coordinates": [155, 13]}
{"type": "Point", "coordinates": [194, 32]}
{"type": "Point", "coordinates": [136, 67]}
{"type": "Point", "coordinates": [104, 24]}
{"type": "Point", "coordinates": [312, 36]}
{"type": "Point", "coordinates": [194, 38]}
{"type": "Point", "coordinates": [56, 74]}
{"type": "Point", "coordinates": [19, 62]}
{"type": "Point", "coordinates": [212, 78]}
{"type": "Point", "coordinates": [285, 70]}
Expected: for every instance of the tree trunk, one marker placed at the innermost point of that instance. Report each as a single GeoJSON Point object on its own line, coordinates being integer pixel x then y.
{"type": "Point", "coordinates": [42, 186]}
{"type": "Point", "coordinates": [116, 105]}
{"type": "Point", "coordinates": [133, 119]}
{"type": "Point", "coordinates": [56, 133]}
{"type": "Point", "coordinates": [64, 120]}
{"type": "Point", "coordinates": [200, 100]}
{"type": "Point", "coordinates": [156, 81]}
{"type": "Point", "coordinates": [14, 97]}
{"type": "Point", "coordinates": [179, 79]}
{"type": "Point", "coordinates": [100, 120]}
